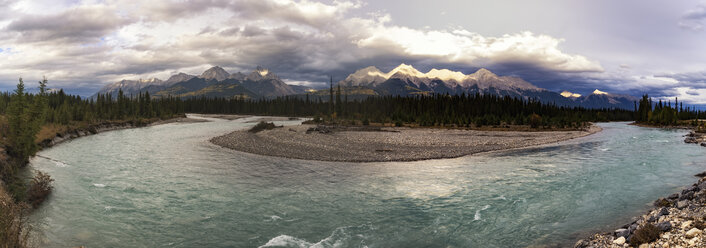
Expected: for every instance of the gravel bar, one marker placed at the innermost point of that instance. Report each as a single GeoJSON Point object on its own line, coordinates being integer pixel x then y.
{"type": "Point", "coordinates": [385, 144]}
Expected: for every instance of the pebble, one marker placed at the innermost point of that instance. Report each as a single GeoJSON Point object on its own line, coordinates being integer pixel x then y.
{"type": "Point", "coordinates": [686, 224]}
{"type": "Point", "coordinates": [693, 232]}
{"type": "Point", "coordinates": [619, 241]}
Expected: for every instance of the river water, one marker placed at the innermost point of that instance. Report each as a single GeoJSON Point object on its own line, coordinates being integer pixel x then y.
{"type": "Point", "coordinates": [167, 186]}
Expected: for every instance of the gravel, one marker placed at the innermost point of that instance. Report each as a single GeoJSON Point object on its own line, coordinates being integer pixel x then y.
{"type": "Point", "coordinates": [385, 144]}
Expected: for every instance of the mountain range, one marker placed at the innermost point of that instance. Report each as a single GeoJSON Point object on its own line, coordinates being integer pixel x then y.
{"type": "Point", "coordinates": [214, 82]}
{"type": "Point", "coordinates": [406, 80]}
{"type": "Point", "coordinates": [403, 80]}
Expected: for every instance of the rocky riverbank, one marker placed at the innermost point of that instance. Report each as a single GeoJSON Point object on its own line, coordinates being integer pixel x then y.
{"type": "Point", "coordinates": [696, 138]}
{"type": "Point", "coordinates": [380, 144]}
{"type": "Point", "coordinates": [678, 220]}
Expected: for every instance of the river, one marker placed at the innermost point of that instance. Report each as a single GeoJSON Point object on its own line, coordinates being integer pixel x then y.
{"type": "Point", "coordinates": [168, 186]}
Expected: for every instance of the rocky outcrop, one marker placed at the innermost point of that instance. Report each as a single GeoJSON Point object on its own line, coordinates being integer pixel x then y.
{"type": "Point", "coordinates": [679, 218]}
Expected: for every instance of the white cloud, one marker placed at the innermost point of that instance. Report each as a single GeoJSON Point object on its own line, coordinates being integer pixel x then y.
{"type": "Point", "coordinates": [694, 18]}
{"type": "Point", "coordinates": [688, 95]}
{"type": "Point", "coordinates": [90, 44]}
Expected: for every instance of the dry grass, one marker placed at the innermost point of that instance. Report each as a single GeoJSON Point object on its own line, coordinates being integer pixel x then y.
{"type": "Point", "coordinates": [49, 131]}
{"type": "Point", "coordinates": [14, 230]}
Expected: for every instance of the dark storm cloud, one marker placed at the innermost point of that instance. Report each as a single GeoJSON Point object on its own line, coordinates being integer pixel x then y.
{"type": "Point", "coordinates": [78, 25]}
{"type": "Point", "coordinates": [692, 79]}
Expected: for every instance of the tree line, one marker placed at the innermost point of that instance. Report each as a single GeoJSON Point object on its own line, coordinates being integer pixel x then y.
{"type": "Point", "coordinates": [432, 110]}
{"type": "Point", "coordinates": [665, 114]}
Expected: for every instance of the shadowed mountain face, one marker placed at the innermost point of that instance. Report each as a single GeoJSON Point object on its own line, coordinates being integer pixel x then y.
{"type": "Point", "coordinates": [214, 82]}
{"type": "Point", "coordinates": [405, 80]}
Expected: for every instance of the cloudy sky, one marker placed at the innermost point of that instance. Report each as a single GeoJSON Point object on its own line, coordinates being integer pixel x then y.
{"type": "Point", "coordinates": [626, 46]}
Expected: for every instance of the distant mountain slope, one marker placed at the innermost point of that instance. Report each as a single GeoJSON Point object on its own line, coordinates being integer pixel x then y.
{"type": "Point", "coordinates": [214, 82]}
{"type": "Point", "coordinates": [405, 80]}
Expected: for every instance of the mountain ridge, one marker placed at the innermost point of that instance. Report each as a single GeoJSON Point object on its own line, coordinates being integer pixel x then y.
{"type": "Point", "coordinates": [403, 80]}
{"type": "Point", "coordinates": [407, 80]}
{"type": "Point", "coordinates": [214, 82]}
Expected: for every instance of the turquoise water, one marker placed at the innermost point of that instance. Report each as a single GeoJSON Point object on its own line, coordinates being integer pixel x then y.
{"type": "Point", "coordinates": [167, 186]}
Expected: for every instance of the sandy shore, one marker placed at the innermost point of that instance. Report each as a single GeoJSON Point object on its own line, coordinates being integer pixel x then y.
{"type": "Point", "coordinates": [386, 144]}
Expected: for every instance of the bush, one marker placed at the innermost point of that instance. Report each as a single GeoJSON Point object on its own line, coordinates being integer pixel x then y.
{"type": "Point", "coordinates": [262, 126]}
{"type": "Point", "coordinates": [366, 122]}
{"type": "Point", "coordinates": [535, 120]}
{"type": "Point", "coordinates": [645, 234]}
{"type": "Point", "coordinates": [39, 189]}
{"type": "Point", "coordinates": [398, 123]}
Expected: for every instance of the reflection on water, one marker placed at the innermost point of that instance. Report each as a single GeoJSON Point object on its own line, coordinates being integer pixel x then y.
{"type": "Point", "coordinates": [167, 186]}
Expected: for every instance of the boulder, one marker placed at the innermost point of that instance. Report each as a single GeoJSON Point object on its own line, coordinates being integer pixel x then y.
{"type": "Point", "coordinates": [682, 204]}
{"type": "Point", "coordinates": [619, 241]}
{"type": "Point", "coordinates": [662, 212]}
{"type": "Point", "coordinates": [687, 196]}
{"type": "Point", "coordinates": [582, 244]}
{"type": "Point", "coordinates": [673, 196]}
{"type": "Point", "coordinates": [664, 226]}
{"type": "Point", "coordinates": [702, 185]}
{"type": "Point", "coordinates": [622, 232]}
{"type": "Point", "coordinates": [632, 229]}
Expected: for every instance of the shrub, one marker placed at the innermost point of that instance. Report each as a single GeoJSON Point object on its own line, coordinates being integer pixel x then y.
{"type": "Point", "coordinates": [398, 123]}
{"type": "Point", "coordinates": [535, 120]}
{"type": "Point", "coordinates": [39, 189]}
{"type": "Point", "coordinates": [645, 234]}
{"type": "Point", "coordinates": [366, 122]}
{"type": "Point", "coordinates": [262, 126]}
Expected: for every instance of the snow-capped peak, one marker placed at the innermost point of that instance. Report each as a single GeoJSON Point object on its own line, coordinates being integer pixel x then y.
{"type": "Point", "coordinates": [262, 71]}
{"type": "Point", "coordinates": [568, 94]}
{"type": "Point", "coordinates": [445, 74]}
{"type": "Point", "coordinates": [148, 81]}
{"type": "Point", "coordinates": [407, 70]}
{"type": "Point", "coordinates": [371, 76]}
{"type": "Point", "coordinates": [598, 92]}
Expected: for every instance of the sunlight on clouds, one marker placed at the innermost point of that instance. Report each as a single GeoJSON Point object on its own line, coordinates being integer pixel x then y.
{"type": "Point", "coordinates": [690, 95]}
{"type": "Point", "coordinates": [467, 47]}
